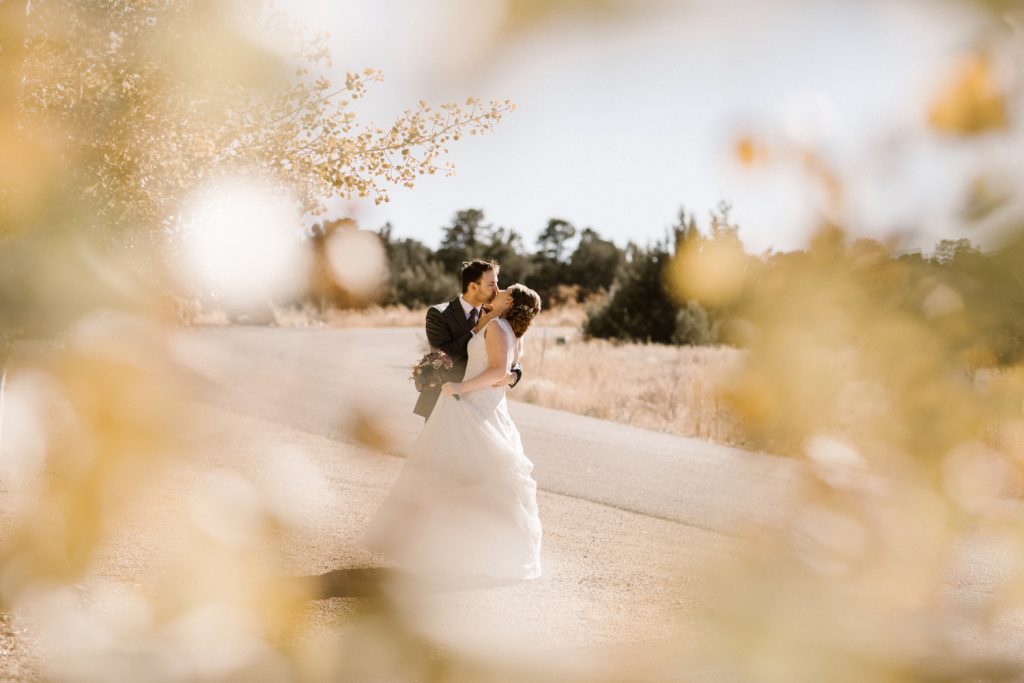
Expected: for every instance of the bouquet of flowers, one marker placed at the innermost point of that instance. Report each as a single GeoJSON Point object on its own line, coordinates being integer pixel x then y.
{"type": "Point", "coordinates": [431, 370]}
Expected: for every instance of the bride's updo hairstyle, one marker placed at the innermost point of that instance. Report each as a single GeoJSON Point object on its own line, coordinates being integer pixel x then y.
{"type": "Point", "coordinates": [524, 308]}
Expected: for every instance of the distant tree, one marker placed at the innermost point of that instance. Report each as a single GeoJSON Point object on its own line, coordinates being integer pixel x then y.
{"type": "Point", "coordinates": [550, 270]}
{"type": "Point", "coordinates": [949, 251]}
{"type": "Point", "coordinates": [469, 236]}
{"type": "Point", "coordinates": [708, 274]}
{"type": "Point", "coordinates": [552, 243]}
{"type": "Point", "coordinates": [594, 263]}
{"type": "Point", "coordinates": [417, 277]}
{"type": "Point", "coordinates": [721, 223]}
{"type": "Point", "coordinates": [991, 292]}
{"type": "Point", "coordinates": [1003, 300]}
{"type": "Point", "coordinates": [505, 246]}
{"type": "Point", "coordinates": [694, 326]}
{"type": "Point", "coordinates": [466, 238]}
{"type": "Point", "coordinates": [639, 307]}
{"type": "Point", "coordinates": [685, 229]}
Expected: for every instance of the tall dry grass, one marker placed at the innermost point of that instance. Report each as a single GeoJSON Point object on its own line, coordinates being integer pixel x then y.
{"type": "Point", "coordinates": [651, 386]}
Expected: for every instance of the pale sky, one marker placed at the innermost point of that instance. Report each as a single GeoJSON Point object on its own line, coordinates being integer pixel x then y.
{"type": "Point", "coordinates": [620, 122]}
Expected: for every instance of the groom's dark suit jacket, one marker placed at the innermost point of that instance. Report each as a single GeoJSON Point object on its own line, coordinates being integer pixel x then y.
{"type": "Point", "coordinates": [448, 330]}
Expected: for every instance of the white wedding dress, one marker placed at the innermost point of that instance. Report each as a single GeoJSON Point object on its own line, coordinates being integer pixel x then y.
{"type": "Point", "coordinates": [465, 503]}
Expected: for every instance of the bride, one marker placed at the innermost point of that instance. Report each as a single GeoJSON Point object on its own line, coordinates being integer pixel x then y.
{"type": "Point", "coordinates": [465, 503]}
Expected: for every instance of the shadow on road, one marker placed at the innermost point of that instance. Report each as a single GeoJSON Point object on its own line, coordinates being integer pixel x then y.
{"type": "Point", "coordinates": [370, 582]}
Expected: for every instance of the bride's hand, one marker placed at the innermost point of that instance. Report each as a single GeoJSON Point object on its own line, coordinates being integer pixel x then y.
{"type": "Point", "coordinates": [451, 388]}
{"type": "Point", "coordinates": [485, 318]}
{"type": "Point", "coordinates": [506, 380]}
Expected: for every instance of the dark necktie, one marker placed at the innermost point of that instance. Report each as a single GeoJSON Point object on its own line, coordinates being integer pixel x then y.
{"type": "Point", "coordinates": [474, 318]}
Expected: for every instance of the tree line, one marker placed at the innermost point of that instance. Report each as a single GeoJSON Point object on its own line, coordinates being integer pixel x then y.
{"type": "Point", "coordinates": [633, 293]}
{"type": "Point", "coordinates": [566, 264]}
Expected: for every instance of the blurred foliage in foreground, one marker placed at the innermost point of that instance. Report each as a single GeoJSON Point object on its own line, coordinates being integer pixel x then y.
{"type": "Point", "coordinates": [121, 119]}
{"type": "Point", "coordinates": [147, 145]}
{"type": "Point", "coordinates": [875, 369]}
{"type": "Point", "coordinates": [113, 119]}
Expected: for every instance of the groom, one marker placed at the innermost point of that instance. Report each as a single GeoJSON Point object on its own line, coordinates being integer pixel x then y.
{"type": "Point", "coordinates": [451, 325]}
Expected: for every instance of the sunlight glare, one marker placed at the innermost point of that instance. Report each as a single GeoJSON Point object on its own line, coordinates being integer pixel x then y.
{"type": "Point", "coordinates": [358, 261]}
{"type": "Point", "coordinates": [241, 242]}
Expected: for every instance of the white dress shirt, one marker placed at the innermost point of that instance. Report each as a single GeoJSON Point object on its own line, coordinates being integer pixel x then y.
{"type": "Point", "coordinates": [468, 308]}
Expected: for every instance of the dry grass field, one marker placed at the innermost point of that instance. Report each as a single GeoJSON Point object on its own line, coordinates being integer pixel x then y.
{"type": "Point", "coordinates": [665, 388]}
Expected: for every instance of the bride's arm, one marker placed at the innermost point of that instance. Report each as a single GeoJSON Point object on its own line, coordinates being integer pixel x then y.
{"type": "Point", "coordinates": [497, 361]}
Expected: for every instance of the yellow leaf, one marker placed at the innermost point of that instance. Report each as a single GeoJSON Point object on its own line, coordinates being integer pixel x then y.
{"type": "Point", "coordinates": [973, 101]}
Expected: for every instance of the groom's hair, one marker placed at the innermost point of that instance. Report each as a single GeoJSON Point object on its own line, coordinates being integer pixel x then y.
{"type": "Point", "coordinates": [473, 270]}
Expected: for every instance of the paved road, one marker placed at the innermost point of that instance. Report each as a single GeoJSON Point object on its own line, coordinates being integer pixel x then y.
{"type": "Point", "coordinates": [633, 520]}
{"type": "Point", "coordinates": [622, 507]}
{"type": "Point", "coordinates": [319, 377]}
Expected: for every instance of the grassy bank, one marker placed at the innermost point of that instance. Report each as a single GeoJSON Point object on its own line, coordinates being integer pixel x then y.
{"type": "Point", "coordinates": [666, 388]}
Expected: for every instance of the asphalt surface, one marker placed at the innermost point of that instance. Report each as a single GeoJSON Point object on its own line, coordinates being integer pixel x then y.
{"type": "Point", "coordinates": [634, 519]}
{"type": "Point", "coordinates": [316, 380]}
{"type": "Point", "coordinates": [635, 522]}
